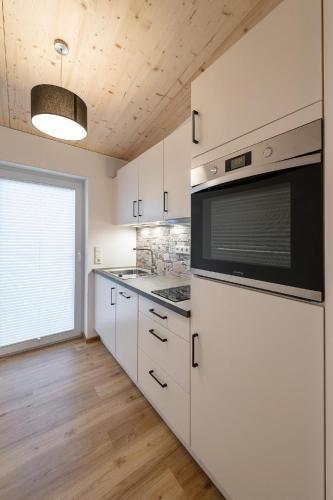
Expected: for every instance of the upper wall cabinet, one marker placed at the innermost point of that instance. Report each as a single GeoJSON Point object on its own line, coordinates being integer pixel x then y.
{"type": "Point", "coordinates": [177, 166]}
{"type": "Point", "coordinates": [156, 185]}
{"type": "Point", "coordinates": [273, 71]}
{"type": "Point", "coordinates": [127, 193]}
{"type": "Point", "coordinates": [150, 203]}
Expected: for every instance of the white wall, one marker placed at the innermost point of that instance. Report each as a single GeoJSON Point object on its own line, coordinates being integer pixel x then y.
{"type": "Point", "coordinates": [117, 242]}
{"type": "Point", "coordinates": [328, 116]}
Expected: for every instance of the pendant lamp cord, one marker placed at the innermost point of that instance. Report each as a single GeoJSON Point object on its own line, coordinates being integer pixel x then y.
{"type": "Point", "coordinates": [61, 56]}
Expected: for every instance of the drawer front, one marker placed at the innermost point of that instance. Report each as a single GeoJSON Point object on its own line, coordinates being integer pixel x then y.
{"type": "Point", "coordinates": [171, 400]}
{"type": "Point", "coordinates": [169, 319]}
{"type": "Point", "coordinates": [169, 351]}
{"type": "Point", "coordinates": [127, 330]}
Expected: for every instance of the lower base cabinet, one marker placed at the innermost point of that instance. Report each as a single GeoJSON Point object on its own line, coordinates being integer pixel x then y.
{"type": "Point", "coordinates": [257, 394]}
{"type": "Point", "coordinates": [166, 395]}
{"type": "Point", "coordinates": [105, 311]}
{"type": "Point", "coordinates": [127, 331]}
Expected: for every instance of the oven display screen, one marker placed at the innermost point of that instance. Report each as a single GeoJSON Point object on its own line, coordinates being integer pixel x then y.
{"type": "Point", "coordinates": [238, 162]}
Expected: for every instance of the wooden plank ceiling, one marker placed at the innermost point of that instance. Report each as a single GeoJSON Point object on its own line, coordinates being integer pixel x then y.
{"type": "Point", "coordinates": [132, 61]}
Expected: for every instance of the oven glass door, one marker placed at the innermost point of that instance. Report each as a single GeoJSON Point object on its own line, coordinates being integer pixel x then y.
{"type": "Point", "coordinates": [267, 228]}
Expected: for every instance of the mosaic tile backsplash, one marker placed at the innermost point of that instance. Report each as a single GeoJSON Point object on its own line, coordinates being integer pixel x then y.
{"type": "Point", "coordinates": [162, 240]}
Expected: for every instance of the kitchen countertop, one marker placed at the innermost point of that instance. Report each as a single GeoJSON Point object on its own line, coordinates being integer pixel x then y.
{"type": "Point", "coordinates": [144, 286]}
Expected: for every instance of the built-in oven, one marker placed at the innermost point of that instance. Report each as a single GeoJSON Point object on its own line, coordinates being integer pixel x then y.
{"type": "Point", "coordinates": [257, 215]}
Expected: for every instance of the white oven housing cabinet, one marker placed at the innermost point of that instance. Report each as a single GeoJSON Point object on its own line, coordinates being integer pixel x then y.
{"type": "Point", "coordinates": [257, 378]}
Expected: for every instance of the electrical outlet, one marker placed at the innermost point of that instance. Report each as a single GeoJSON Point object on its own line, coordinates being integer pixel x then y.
{"type": "Point", "coordinates": [98, 255]}
{"type": "Point", "coordinates": [183, 249]}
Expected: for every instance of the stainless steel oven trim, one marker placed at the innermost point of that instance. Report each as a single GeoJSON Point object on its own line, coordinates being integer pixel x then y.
{"type": "Point", "coordinates": [301, 293]}
{"type": "Point", "coordinates": [250, 171]}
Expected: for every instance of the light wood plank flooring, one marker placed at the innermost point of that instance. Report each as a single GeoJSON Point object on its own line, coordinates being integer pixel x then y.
{"type": "Point", "coordinates": [73, 426]}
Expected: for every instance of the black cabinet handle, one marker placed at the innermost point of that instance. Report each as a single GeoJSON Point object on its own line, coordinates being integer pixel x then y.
{"type": "Point", "coordinates": [194, 363]}
{"type": "Point", "coordinates": [194, 114]}
{"type": "Point", "coordinates": [162, 339]}
{"type": "Point", "coordinates": [112, 303]}
{"type": "Point", "coordinates": [139, 206]}
{"type": "Point", "coordinates": [126, 296]}
{"type": "Point", "coordinates": [158, 315]}
{"type": "Point", "coordinates": [134, 205]}
{"type": "Point", "coordinates": [165, 201]}
{"type": "Point", "coordinates": [162, 384]}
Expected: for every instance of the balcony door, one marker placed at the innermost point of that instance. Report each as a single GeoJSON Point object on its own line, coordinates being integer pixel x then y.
{"type": "Point", "coordinates": [41, 259]}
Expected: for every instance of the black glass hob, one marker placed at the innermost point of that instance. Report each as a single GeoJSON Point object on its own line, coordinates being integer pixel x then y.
{"type": "Point", "coordinates": [176, 294]}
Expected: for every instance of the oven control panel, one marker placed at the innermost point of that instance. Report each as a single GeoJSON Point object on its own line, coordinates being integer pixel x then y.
{"type": "Point", "coordinates": [290, 144]}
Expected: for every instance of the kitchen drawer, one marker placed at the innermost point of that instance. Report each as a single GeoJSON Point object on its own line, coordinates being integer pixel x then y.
{"type": "Point", "coordinates": [127, 331]}
{"type": "Point", "coordinates": [173, 321]}
{"type": "Point", "coordinates": [171, 401]}
{"type": "Point", "coordinates": [171, 352]}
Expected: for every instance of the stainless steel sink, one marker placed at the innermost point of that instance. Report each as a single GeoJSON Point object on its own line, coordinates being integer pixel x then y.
{"type": "Point", "coordinates": [128, 273]}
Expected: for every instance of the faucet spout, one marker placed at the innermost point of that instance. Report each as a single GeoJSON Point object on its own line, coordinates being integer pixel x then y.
{"type": "Point", "coordinates": [144, 249]}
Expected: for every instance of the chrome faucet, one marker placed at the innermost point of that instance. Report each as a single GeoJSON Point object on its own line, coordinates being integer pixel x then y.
{"type": "Point", "coordinates": [152, 267]}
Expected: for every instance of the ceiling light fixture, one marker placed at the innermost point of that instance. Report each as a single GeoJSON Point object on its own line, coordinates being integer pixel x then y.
{"type": "Point", "coordinates": [56, 111]}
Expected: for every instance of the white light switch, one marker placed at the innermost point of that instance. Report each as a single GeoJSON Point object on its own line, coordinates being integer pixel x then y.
{"type": "Point", "coordinates": [98, 255]}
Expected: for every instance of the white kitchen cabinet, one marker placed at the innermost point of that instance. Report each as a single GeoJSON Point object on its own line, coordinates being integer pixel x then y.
{"type": "Point", "coordinates": [177, 168]}
{"type": "Point", "coordinates": [150, 203]}
{"type": "Point", "coordinates": [178, 324]}
{"type": "Point", "coordinates": [170, 400]}
{"type": "Point", "coordinates": [127, 331]}
{"type": "Point", "coordinates": [257, 394]}
{"type": "Point", "coordinates": [167, 349]}
{"type": "Point", "coordinates": [127, 193]}
{"type": "Point", "coordinates": [105, 311]}
{"type": "Point", "coordinates": [272, 72]}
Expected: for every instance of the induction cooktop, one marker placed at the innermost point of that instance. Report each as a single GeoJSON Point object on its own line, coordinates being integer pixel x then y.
{"type": "Point", "coordinates": [175, 294]}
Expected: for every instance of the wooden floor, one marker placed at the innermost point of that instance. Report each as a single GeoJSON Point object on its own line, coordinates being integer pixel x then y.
{"type": "Point", "coordinates": [73, 426]}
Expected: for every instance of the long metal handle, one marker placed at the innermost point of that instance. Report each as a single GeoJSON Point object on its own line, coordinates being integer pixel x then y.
{"type": "Point", "coordinates": [134, 205]}
{"type": "Point", "coordinates": [139, 207]}
{"type": "Point", "coordinates": [194, 114]}
{"type": "Point", "coordinates": [162, 339]}
{"type": "Point", "coordinates": [158, 315]}
{"type": "Point", "coordinates": [165, 201]}
{"type": "Point", "coordinates": [194, 363]}
{"type": "Point", "coordinates": [126, 296]}
{"type": "Point", "coordinates": [112, 303]}
{"type": "Point", "coordinates": [162, 384]}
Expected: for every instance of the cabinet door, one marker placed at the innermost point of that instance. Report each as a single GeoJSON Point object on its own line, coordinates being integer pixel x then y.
{"type": "Point", "coordinates": [151, 184]}
{"type": "Point", "coordinates": [105, 311]}
{"type": "Point", "coordinates": [127, 193]}
{"type": "Point", "coordinates": [127, 331]}
{"type": "Point", "coordinates": [177, 167]}
{"type": "Point", "coordinates": [257, 394]}
{"type": "Point", "coordinates": [263, 77]}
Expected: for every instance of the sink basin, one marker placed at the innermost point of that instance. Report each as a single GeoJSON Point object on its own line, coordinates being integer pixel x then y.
{"type": "Point", "coordinates": [128, 273]}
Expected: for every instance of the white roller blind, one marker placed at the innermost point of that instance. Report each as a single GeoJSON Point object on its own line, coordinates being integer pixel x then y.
{"type": "Point", "coordinates": [37, 260]}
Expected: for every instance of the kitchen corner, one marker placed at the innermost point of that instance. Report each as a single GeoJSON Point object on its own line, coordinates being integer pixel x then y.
{"type": "Point", "coordinates": [163, 263]}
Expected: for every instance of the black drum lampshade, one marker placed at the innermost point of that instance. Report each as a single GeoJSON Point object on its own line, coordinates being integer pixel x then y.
{"type": "Point", "coordinates": [58, 112]}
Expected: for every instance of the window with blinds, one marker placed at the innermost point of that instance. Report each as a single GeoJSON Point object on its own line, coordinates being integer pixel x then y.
{"type": "Point", "coordinates": [37, 260]}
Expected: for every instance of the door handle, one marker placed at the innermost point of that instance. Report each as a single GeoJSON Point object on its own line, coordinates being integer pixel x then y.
{"type": "Point", "coordinates": [194, 114]}
{"type": "Point", "coordinates": [112, 303]}
{"type": "Point", "coordinates": [162, 339]}
{"type": "Point", "coordinates": [134, 205]}
{"type": "Point", "coordinates": [139, 207]}
{"type": "Point", "coordinates": [158, 315]}
{"type": "Point", "coordinates": [162, 384]}
{"type": "Point", "coordinates": [165, 201]}
{"type": "Point", "coordinates": [194, 363]}
{"type": "Point", "coordinates": [124, 295]}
